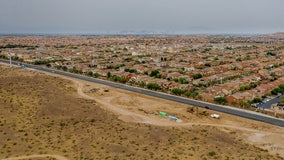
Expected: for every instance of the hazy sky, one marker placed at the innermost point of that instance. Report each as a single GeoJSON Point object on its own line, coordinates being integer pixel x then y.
{"type": "Point", "coordinates": [89, 16]}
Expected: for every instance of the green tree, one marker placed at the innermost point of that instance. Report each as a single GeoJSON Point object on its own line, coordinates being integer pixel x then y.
{"type": "Point", "coordinates": [108, 74]}
{"type": "Point", "coordinates": [281, 100]}
{"type": "Point", "coordinates": [187, 93]}
{"type": "Point", "coordinates": [182, 81]}
{"type": "Point", "coordinates": [118, 79]}
{"type": "Point", "coordinates": [90, 73]}
{"type": "Point", "coordinates": [3, 56]}
{"type": "Point", "coordinates": [275, 91]}
{"type": "Point", "coordinates": [48, 65]}
{"type": "Point", "coordinates": [153, 86]}
{"type": "Point", "coordinates": [177, 91]}
{"type": "Point", "coordinates": [142, 84]}
{"type": "Point", "coordinates": [130, 70]}
{"type": "Point", "coordinates": [196, 76]}
{"type": "Point", "coordinates": [281, 87]}
{"type": "Point", "coordinates": [220, 100]}
{"type": "Point", "coordinates": [269, 53]}
{"type": "Point", "coordinates": [256, 100]}
{"type": "Point", "coordinates": [194, 94]}
{"type": "Point", "coordinates": [154, 73]}
{"type": "Point", "coordinates": [239, 59]}
{"type": "Point", "coordinates": [64, 68]}
{"type": "Point", "coordinates": [96, 75]}
{"type": "Point", "coordinates": [207, 64]}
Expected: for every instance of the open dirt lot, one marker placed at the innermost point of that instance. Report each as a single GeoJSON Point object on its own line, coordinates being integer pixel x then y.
{"type": "Point", "coordinates": [43, 115]}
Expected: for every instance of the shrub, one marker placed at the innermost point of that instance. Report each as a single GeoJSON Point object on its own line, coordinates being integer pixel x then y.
{"type": "Point", "coordinates": [155, 73]}
{"type": "Point", "coordinates": [177, 91]}
{"type": "Point", "coordinates": [220, 100]}
{"type": "Point", "coordinates": [212, 153]}
{"type": "Point", "coordinates": [196, 76]}
{"type": "Point", "coordinates": [153, 86]}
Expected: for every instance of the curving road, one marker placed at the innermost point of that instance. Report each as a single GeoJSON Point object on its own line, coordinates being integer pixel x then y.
{"type": "Point", "coordinates": [220, 108]}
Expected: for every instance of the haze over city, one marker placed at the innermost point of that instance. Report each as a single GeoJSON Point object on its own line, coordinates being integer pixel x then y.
{"type": "Point", "coordinates": [134, 16]}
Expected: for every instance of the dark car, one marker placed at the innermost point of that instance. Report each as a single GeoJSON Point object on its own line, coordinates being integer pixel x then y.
{"type": "Point", "coordinates": [206, 107]}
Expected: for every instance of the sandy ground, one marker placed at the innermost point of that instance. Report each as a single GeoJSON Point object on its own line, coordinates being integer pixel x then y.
{"type": "Point", "coordinates": [136, 108]}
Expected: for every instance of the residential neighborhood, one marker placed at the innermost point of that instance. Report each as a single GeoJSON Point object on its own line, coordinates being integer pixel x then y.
{"type": "Point", "coordinates": [225, 69]}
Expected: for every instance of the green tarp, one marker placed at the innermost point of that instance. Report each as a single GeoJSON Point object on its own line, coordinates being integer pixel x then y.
{"type": "Point", "coordinates": [163, 114]}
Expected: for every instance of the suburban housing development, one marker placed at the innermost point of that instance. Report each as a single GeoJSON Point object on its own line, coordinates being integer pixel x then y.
{"type": "Point", "coordinates": [236, 70]}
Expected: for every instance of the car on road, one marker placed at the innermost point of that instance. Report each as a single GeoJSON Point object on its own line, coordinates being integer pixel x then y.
{"type": "Point", "coordinates": [255, 105]}
{"type": "Point", "coordinates": [206, 107]}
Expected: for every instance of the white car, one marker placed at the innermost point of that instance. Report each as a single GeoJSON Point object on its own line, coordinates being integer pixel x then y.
{"type": "Point", "coordinates": [215, 115]}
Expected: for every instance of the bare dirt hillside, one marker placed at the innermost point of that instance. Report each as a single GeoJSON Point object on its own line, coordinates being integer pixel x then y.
{"type": "Point", "coordinates": [48, 117]}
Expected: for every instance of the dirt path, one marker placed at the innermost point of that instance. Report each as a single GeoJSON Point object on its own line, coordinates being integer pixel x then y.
{"type": "Point", "coordinates": [124, 114]}
{"type": "Point", "coordinates": [58, 157]}
{"type": "Point", "coordinates": [130, 116]}
{"type": "Point", "coordinates": [266, 139]}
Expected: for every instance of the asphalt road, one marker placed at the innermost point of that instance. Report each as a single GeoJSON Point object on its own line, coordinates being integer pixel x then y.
{"type": "Point", "coordinates": [267, 104]}
{"type": "Point", "coordinates": [220, 108]}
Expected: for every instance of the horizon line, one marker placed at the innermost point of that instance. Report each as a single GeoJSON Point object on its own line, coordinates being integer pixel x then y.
{"type": "Point", "coordinates": [132, 33]}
